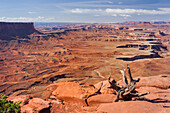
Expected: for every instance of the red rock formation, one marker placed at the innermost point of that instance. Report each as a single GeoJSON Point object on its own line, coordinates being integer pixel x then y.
{"type": "Point", "coordinates": [131, 107]}
{"type": "Point", "coordinates": [9, 30]}
{"type": "Point", "coordinates": [36, 105]}
{"type": "Point", "coordinates": [102, 98]}
{"type": "Point", "coordinates": [23, 98]}
{"type": "Point", "coordinates": [157, 101]}
{"type": "Point", "coordinates": [70, 91]}
{"type": "Point", "coordinates": [161, 81]}
{"type": "Point", "coordinates": [145, 23]}
{"type": "Point", "coordinates": [168, 23]}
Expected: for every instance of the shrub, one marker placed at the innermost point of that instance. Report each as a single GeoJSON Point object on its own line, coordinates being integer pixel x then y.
{"type": "Point", "coordinates": [8, 106]}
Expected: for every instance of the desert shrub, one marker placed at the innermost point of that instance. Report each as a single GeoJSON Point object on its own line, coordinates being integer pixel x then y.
{"type": "Point", "coordinates": [8, 106]}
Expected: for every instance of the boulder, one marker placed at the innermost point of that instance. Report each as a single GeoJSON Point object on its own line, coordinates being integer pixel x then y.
{"type": "Point", "coordinates": [23, 98]}
{"type": "Point", "coordinates": [28, 109]}
{"type": "Point", "coordinates": [38, 104]}
{"type": "Point", "coordinates": [71, 90]}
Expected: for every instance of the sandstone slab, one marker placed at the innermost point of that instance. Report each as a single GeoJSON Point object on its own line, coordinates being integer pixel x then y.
{"type": "Point", "coordinates": [161, 81]}
{"type": "Point", "coordinates": [71, 90]}
{"type": "Point", "coordinates": [102, 98]}
{"type": "Point", "coordinates": [131, 107]}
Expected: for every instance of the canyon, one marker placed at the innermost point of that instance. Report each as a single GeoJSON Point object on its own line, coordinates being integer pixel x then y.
{"type": "Point", "coordinates": [47, 65]}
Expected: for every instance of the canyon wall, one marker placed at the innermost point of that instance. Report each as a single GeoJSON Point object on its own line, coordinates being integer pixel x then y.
{"type": "Point", "coordinates": [13, 30]}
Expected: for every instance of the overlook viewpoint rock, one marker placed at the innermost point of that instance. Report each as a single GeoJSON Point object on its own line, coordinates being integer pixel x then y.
{"type": "Point", "coordinates": [13, 30]}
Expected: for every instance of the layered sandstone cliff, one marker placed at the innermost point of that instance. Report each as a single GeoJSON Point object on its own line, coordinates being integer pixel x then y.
{"type": "Point", "coordinates": [13, 30]}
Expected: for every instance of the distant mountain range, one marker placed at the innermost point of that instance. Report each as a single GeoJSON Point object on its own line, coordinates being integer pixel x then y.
{"type": "Point", "coordinates": [54, 23]}
{"type": "Point", "coordinates": [36, 24]}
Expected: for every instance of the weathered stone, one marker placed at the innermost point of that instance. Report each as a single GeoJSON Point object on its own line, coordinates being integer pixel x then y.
{"type": "Point", "coordinates": [38, 104]}
{"type": "Point", "coordinates": [23, 98]}
{"type": "Point", "coordinates": [72, 90]}
{"type": "Point", "coordinates": [131, 107]}
{"type": "Point", "coordinates": [102, 98]}
{"type": "Point", "coordinates": [28, 109]}
{"type": "Point", "coordinates": [161, 81]}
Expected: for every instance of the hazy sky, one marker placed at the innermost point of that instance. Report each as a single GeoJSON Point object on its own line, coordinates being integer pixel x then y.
{"type": "Point", "coordinates": [84, 10]}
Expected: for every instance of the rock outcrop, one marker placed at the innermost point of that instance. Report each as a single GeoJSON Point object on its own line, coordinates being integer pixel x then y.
{"type": "Point", "coordinates": [161, 81]}
{"type": "Point", "coordinates": [31, 105]}
{"type": "Point", "coordinates": [36, 105]}
{"type": "Point", "coordinates": [70, 91]}
{"type": "Point", "coordinates": [23, 98]}
{"type": "Point", "coordinates": [13, 30]}
{"type": "Point", "coordinates": [64, 94]}
{"type": "Point", "coordinates": [157, 101]}
{"type": "Point", "coordinates": [131, 107]}
{"type": "Point", "coordinates": [145, 23]}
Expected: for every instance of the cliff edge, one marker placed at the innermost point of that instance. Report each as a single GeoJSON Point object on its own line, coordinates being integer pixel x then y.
{"type": "Point", "coordinates": [13, 30]}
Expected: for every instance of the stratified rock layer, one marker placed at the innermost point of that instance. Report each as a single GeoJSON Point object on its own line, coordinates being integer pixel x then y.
{"type": "Point", "coordinates": [10, 30]}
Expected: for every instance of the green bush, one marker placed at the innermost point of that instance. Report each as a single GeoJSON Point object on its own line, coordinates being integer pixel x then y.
{"type": "Point", "coordinates": [8, 106]}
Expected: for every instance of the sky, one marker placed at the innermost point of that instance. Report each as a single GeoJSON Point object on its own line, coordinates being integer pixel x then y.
{"type": "Point", "coordinates": [84, 11]}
